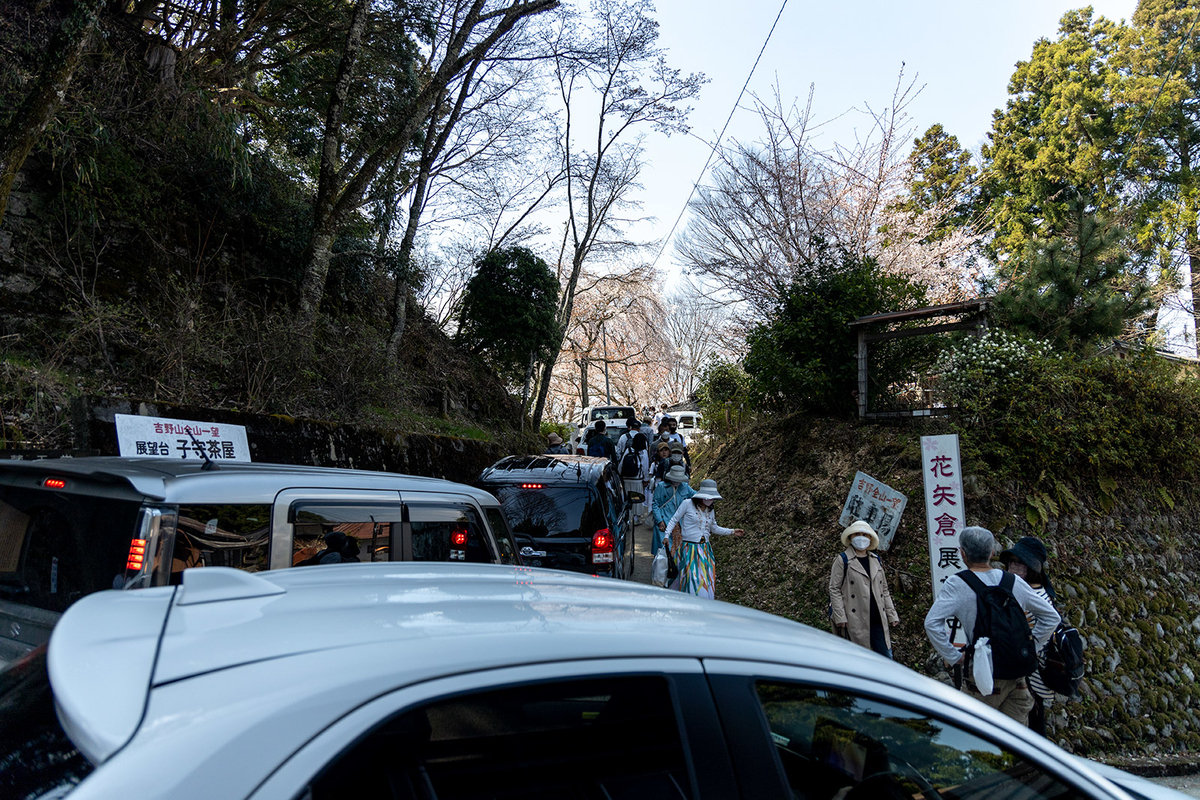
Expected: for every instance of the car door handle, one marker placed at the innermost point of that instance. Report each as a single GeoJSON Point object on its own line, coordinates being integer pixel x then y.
{"type": "Point", "coordinates": [529, 551]}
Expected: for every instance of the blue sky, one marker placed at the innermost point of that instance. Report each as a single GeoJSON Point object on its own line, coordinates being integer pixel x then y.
{"type": "Point", "coordinates": [963, 52]}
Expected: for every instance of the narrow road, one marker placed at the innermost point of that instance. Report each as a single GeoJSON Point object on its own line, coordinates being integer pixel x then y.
{"type": "Point", "coordinates": [641, 554]}
{"type": "Point", "coordinates": [1188, 784]}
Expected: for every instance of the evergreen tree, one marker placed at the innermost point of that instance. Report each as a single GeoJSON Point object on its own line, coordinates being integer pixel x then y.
{"type": "Point", "coordinates": [508, 311]}
{"type": "Point", "coordinates": [1057, 139]}
{"type": "Point", "coordinates": [1073, 289]}
{"type": "Point", "coordinates": [942, 177]}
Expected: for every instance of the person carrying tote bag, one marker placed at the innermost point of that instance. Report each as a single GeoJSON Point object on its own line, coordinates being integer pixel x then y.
{"type": "Point", "coordinates": [860, 603]}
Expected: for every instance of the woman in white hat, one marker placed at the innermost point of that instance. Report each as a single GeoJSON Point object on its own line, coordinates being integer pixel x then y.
{"type": "Point", "coordinates": [859, 598]}
{"type": "Point", "coordinates": [691, 547]}
{"type": "Point", "coordinates": [670, 492]}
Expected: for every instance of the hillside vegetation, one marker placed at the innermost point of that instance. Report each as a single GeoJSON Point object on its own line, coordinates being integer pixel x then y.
{"type": "Point", "coordinates": [1093, 455]}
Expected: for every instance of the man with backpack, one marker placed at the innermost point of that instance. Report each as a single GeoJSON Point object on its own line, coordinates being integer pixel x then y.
{"type": "Point", "coordinates": [991, 603]}
{"type": "Point", "coordinates": [598, 443]}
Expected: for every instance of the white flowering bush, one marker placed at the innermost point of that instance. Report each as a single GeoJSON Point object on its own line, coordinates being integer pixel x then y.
{"type": "Point", "coordinates": [988, 363]}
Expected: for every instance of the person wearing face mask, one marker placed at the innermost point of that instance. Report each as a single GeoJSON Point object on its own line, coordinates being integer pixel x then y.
{"type": "Point", "coordinates": [859, 598]}
{"type": "Point", "coordinates": [690, 545]}
{"type": "Point", "coordinates": [672, 490]}
{"type": "Point", "coordinates": [678, 457]}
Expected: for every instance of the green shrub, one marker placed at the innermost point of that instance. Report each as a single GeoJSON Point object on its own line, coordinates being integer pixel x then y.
{"type": "Point", "coordinates": [1046, 416]}
{"type": "Point", "coordinates": [803, 358]}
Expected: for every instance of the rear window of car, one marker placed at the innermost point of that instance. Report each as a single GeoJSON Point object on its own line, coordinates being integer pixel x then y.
{"type": "Point", "coordinates": [57, 546]}
{"type": "Point", "coordinates": [542, 511]}
{"type": "Point", "coordinates": [612, 413]}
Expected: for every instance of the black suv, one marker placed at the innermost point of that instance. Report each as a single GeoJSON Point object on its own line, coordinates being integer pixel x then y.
{"type": "Point", "coordinates": [566, 512]}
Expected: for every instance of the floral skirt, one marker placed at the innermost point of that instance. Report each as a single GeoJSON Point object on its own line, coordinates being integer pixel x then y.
{"type": "Point", "coordinates": [696, 569]}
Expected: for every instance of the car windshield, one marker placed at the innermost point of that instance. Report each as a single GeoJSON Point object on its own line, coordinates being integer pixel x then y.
{"type": "Point", "coordinates": [612, 413]}
{"type": "Point", "coordinates": [550, 511]}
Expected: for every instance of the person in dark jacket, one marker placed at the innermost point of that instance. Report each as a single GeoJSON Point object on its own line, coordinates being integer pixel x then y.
{"type": "Point", "coordinates": [555, 445]}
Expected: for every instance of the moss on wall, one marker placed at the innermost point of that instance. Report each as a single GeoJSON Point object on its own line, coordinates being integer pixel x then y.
{"type": "Point", "coordinates": [1125, 561]}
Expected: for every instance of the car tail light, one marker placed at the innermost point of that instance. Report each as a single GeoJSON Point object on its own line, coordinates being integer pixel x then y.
{"type": "Point", "coordinates": [458, 538]}
{"type": "Point", "coordinates": [531, 486]}
{"type": "Point", "coordinates": [137, 554]}
{"type": "Point", "coordinates": [602, 547]}
{"type": "Point", "coordinates": [54, 483]}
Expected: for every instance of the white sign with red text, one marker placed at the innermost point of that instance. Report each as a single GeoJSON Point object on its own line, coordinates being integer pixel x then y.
{"type": "Point", "coordinates": [180, 438]}
{"type": "Point", "coordinates": [945, 510]}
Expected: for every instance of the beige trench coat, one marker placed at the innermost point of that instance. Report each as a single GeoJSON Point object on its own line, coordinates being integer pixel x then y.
{"type": "Point", "coordinates": [851, 603]}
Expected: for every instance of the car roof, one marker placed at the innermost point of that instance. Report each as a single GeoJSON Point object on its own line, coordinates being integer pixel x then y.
{"type": "Point", "coordinates": [557, 469]}
{"type": "Point", "coordinates": [179, 480]}
{"type": "Point", "coordinates": [111, 648]}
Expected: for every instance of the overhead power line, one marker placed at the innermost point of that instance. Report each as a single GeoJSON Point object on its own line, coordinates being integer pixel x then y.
{"type": "Point", "coordinates": [720, 136]}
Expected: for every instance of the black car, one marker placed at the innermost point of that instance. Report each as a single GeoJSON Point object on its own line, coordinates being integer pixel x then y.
{"type": "Point", "coordinates": [566, 512]}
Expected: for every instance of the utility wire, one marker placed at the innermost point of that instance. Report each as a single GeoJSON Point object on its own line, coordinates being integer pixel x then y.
{"type": "Point", "coordinates": [1167, 77]}
{"type": "Point", "coordinates": [720, 136]}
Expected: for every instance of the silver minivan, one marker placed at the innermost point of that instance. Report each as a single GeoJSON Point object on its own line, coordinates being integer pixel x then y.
{"type": "Point", "coordinates": [70, 527]}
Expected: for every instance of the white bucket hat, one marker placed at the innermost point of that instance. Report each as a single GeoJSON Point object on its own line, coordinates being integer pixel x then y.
{"type": "Point", "coordinates": [860, 527]}
{"type": "Point", "coordinates": [707, 490]}
{"type": "Point", "coordinates": [676, 474]}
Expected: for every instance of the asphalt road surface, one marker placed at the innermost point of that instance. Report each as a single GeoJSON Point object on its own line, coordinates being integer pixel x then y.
{"type": "Point", "coordinates": [1188, 784]}
{"type": "Point", "coordinates": [641, 554]}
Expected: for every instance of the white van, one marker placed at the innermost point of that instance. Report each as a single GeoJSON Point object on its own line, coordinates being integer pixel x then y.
{"type": "Point", "coordinates": [70, 527]}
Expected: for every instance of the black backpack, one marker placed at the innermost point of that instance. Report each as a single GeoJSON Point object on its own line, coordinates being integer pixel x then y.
{"type": "Point", "coordinates": [596, 448]}
{"type": "Point", "coordinates": [630, 464]}
{"type": "Point", "coordinates": [1000, 617]}
{"type": "Point", "coordinates": [1062, 669]}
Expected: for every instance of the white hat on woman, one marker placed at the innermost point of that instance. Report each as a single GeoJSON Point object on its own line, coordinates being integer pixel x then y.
{"type": "Point", "coordinates": [707, 490]}
{"type": "Point", "coordinates": [860, 527]}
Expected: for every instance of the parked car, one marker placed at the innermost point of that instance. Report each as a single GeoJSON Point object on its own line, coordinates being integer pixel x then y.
{"type": "Point", "coordinates": [472, 681]}
{"type": "Point", "coordinates": [565, 512]}
{"type": "Point", "coordinates": [690, 424]}
{"type": "Point", "coordinates": [614, 417]}
{"type": "Point", "coordinates": [69, 527]}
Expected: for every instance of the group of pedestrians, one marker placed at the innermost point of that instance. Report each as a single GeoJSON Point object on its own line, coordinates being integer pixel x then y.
{"type": "Point", "coordinates": [652, 459]}
{"type": "Point", "coordinates": [974, 601]}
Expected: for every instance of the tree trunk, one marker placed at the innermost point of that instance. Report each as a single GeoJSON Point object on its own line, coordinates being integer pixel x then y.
{"type": "Point", "coordinates": [37, 109]}
{"type": "Point", "coordinates": [1191, 236]}
{"type": "Point", "coordinates": [325, 222]}
{"type": "Point", "coordinates": [400, 294]}
{"type": "Point", "coordinates": [312, 289]}
{"type": "Point", "coordinates": [583, 383]}
{"type": "Point", "coordinates": [525, 391]}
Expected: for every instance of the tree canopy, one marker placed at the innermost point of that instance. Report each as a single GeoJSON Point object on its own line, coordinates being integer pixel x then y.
{"type": "Point", "coordinates": [508, 311]}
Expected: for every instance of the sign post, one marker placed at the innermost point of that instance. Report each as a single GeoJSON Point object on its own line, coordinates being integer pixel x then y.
{"type": "Point", "coordinates": [176, 438]}
{"type": "Point", "coordinates": [945, 510]}
{"type": "Point", "coordinates": [877, 504]}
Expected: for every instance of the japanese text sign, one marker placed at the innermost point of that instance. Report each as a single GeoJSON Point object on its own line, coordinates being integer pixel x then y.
{"type": "Point", "coordinates": [877, 504]}
{"type": "Point", "coordinates": [176, 438]}
{"type": "Point", "coordinates": [944, 505]}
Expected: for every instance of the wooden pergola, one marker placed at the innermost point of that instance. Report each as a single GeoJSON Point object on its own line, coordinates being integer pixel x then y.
{"type": "Point", "coordinates": [971, 314]}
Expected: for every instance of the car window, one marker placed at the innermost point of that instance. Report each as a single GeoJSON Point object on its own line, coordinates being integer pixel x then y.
{"type": "Point", "coordinates": [504, 537]}
{"type": "Point", "coordinates": [612, 413]}
{"type": "Point", "coordinates": [234, 535]}
{"type": "Point", "coordinates": [448, 532]}
{"type": "Point", "coordinates": [604, 738]}
{"type": "Point", "coordinates": [616, 493]}
{"type": "Point", "coordinates": [57, 546]}
{"type": "Point", "coordinates": [547, 511]}
{"type": "Point", "coordinates": [831, 744]}
{"type": "Point", "coordinates": [331, 532]}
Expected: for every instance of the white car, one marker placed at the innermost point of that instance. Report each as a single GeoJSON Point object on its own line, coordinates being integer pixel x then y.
{"type": "Point", "coordinates": [464, 681]}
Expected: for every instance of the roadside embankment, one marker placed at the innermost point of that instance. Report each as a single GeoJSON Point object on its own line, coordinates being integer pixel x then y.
{"type": "Point", "coordinates": [1125, 561]}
